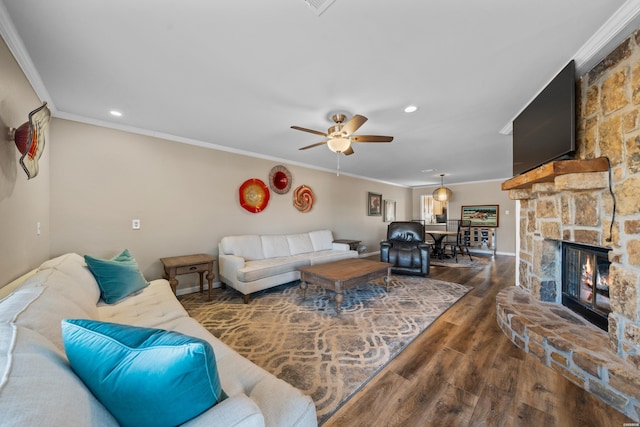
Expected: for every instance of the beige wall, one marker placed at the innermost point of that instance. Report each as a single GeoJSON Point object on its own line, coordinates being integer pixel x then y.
{"type": "Point", "coordinates": [186, 197]}
{"type": "Point", "coordinates": [23, 203]}
{"type": "Point", "coordinates": [480, 193]}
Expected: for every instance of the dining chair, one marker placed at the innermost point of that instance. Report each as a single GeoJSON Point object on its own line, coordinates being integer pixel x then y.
{"type": "Point", "coordinates": [448, 241]}
{"type": "Point", "coordinates": [462, 240]}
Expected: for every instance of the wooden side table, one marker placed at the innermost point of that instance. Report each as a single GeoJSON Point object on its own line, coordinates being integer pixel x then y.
{"type": "Point", "coordinates": [185, 264]}
{"type": "Point", "coordinates": [353, 244]}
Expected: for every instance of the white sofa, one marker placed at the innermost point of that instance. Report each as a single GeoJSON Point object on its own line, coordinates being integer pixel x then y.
{"type": "Point", "coordinates": [252, 262]}
{"type": "Point", "coordinates": [38, 386]}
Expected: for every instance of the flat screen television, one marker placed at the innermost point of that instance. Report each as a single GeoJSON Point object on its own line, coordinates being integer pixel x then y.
{"type": "Point", "coordinates": [545, 130]}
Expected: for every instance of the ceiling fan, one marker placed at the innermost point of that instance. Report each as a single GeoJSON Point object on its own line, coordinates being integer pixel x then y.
{"type": "Point", "coordinates": [340, 136]}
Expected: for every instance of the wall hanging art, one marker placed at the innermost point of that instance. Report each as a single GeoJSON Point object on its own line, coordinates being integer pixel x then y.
{"type": "Point", "coordinates": [280, 179]}
{"type": "Point", "coordinates": [254, 195]}
{"type": "Point", "coordinates": [481, 215]}
{"type": "Point", "coordinates": [389, 211]}
{"type": "Point", "coordinates": [374, 204]}
{"type": "Point", "coordinates": [303, 198]}
{"type": "Point", "coordinates": [29, 139]}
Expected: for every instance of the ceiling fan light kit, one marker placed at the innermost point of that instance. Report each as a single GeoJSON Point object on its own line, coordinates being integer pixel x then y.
{"type": "Point", "coordinates": [442, 194]}
{"type": "Point", "coordinates": [339, 144]}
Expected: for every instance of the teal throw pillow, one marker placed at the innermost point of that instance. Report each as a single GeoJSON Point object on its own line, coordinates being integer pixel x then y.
{"type": "Point", "coordinates": [143, 376]}
{"type": "Point", "coordinates": [117, 277]}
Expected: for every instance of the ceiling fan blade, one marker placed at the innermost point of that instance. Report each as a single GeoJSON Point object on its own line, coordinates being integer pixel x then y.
{"type": "Point", "coordinates": [348, 151]}
{"type": "Point", "coordinates": [371, 138]}
{"type": "Point", "coordinates": [317, 132]}
{"type": "Point", "coordinates": [313, 145]}
{"type": "Point", "coordinates": [354, 124]}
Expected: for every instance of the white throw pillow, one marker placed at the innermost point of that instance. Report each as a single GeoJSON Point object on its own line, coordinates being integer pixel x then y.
{"type": "Point", "coordinates": [275, 246]}
{"type": "Point", "coordinates": [247, 246]}
{"type": "Point", "coordinates": [299, 243]}
{"type": "Point", "coordinates": [322, 240]}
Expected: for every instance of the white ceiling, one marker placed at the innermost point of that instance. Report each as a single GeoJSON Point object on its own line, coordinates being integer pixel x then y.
{"type": "Point", "coordinates": [235, 75]}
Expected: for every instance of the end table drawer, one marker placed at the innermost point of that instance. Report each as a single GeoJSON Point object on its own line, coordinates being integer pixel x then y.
{"type": "Point", "coordinates": [192, 269]}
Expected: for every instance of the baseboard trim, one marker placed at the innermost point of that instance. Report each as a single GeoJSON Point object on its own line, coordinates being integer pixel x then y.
{"type": "Point", "coordinates": [196, 288]}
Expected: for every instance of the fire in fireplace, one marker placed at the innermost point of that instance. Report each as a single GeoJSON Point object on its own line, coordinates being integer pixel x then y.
{"type": "Point", "coordinates": [585, 282]}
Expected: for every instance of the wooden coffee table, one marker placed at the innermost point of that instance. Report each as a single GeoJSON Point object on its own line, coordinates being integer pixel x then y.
{"type": "Point", "coordinates": [340, 275]}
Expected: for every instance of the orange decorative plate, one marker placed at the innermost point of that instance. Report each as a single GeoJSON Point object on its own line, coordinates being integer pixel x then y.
{"type": "Point", "coordinates": [303, 198]}
{"type": "Point", "coordinates": [254, 195]}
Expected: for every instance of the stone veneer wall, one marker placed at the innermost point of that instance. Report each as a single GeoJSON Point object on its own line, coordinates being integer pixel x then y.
{"type": "Point", "coordinates": [579, 207]}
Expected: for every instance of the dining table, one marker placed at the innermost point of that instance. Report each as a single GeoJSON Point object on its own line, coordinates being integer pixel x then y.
{"type": "Point", "coordinates": [438, 236]}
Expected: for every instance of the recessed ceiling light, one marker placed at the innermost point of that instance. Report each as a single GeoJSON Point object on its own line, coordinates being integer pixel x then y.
{"type": "Point", "coordinates": [115, 113]}
{"type": "Point", "coordinates": [410, 109]}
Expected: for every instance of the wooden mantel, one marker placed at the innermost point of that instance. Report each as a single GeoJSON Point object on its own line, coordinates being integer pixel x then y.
{"type": "Point", "coordinates": [547, 172]}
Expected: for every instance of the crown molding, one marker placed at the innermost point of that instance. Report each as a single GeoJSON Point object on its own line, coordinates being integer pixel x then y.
{"type": "Point", "coordinates": [14, 42]}
{"type": "Point", "coordinates": [175, 138]}
{"type": "Point", "coordinates": [613, 32]}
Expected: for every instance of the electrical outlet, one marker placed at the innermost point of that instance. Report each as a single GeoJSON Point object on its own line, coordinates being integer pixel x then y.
{"type": "Point", "coordinates": [135, 224]}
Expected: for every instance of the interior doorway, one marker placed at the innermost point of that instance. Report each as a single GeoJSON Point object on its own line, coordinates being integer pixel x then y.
{"type": "Point", "coordinates": [433, 211]}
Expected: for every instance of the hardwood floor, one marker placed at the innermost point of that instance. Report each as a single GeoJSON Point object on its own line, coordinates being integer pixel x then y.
{"type": "Point", "coordinates": [463, 371]}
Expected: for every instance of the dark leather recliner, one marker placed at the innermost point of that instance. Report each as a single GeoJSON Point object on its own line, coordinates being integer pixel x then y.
{"type": "Point", "coordinates": [405, 248]}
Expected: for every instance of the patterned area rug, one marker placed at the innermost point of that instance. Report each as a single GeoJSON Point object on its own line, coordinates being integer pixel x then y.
{"type": "Point", "coordinates": [328, 356]}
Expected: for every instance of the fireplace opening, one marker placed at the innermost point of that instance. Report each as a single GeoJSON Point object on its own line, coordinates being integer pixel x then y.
{"type": "Point", "coordinates": [585, 282]}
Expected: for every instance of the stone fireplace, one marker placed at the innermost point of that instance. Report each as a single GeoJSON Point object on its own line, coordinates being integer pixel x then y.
{"type": "Point", "coordinates": [597, 206]}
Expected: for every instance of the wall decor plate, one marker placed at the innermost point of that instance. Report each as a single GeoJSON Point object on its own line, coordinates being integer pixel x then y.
{"type": "Point", "coordinates": [254, 195]}
{"type": "Point", "coordinates": [29, 139]}
{"type": "Point", "coordinates": [280, 179]}
{"type": "Point", "coordinates": [303, 198]}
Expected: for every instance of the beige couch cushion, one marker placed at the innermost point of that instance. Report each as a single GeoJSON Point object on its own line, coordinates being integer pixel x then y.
{"type": "Point", "coordinates": [37, 385]}
{"type": "Point", "coordinates": [153, 307]}
{"type": "Point", "coordinates": [274, 246]}
{"type": "Point", "coordinates": [55, 301]}
{"type": "Point", "coordinates": [321, 240]}
{"type": "Point", "coordinates": [85, 287]}
{"type": "Point", "coordinates": [299, 243]}
{"type": "Point", "coordinates": [247, 246]}
{"type": "Point", "coordinates": [255, 270]}
{"type": "Point", "coordinates": [322, 257]}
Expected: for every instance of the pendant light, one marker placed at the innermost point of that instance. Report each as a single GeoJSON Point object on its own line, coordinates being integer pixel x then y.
{"type": "Point", "coordinates": [442, 194]}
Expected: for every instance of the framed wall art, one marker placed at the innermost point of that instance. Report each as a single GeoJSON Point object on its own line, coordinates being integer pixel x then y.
{"type": "Point", "coordinates": [389, 211]}
{"type": "Point", "coordinates": [374, 204]}
{"type": "Point", "coordinates": [481, 215]}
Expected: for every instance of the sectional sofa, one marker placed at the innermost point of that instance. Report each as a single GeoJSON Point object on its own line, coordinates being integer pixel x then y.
{"type": "Point", "coordinates": [39, 386]}
{"type": "Point", "coordinates": [253, 262]}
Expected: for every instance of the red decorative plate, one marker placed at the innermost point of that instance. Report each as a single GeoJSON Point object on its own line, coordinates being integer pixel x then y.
{"type": "Point", "coordinates": [280, 179]}
{"type": "Point", "coordinates": [254, 195]}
